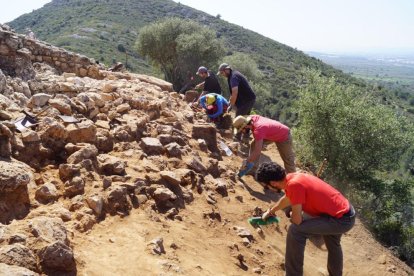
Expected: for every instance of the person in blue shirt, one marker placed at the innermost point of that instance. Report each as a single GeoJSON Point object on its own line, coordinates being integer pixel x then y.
{"type": "Point", "coordinates": [215, 106]}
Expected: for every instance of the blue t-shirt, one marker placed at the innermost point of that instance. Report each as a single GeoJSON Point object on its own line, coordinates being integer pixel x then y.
{"type": "Point", "coordinates": [246, 94]}
{"type": "Point", "coordinates": [220, 102]}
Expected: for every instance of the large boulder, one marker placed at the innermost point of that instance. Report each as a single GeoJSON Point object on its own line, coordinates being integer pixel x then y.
{"type": "Point", "coordinates": [152, 146]}
{"type": "Point", "coordinates": [166, 86]}
{"type": "Point", "coordinates": [171, 177]}
{"type": "Point", "coordinates": [117, 200]}
{"type": "Point", "coordinates": [39, 99]}
{"type": "Point", "coordinates": [5, 139]}
{"type": "Point", "coordinates": [196, 165]}
{"type": "Point", "coordinates": [162, 195]}
{"type": "Point", "coordinates": [74, 186]}
{"type": "Point", "coordinates": [174, 150]}
{"type": "Point", "coordinates": [67, 171]}
{"type": "Point", "coordinates": [46, 193]}
{"type": "Point", "coordinates": [48, 229]}
{"type": "Point", "coordinates": [83, 132]}
{"type": "Point", "coordinates": [110, 165]}
{"type": "Point", "coordinates": [86, 151]}
{"type": "Point", "coordinates": [2, 82]}
{"type": "Point", "coordinates": [19, 255]}
{"type": "Point", "coordinates": [208, 133]}
{"type": "Point", "coordinates": [13, 175]}
{"type": "Point", "coordinates": [56, 257]}
{"type": "Point", "coordinates": [14, 270]}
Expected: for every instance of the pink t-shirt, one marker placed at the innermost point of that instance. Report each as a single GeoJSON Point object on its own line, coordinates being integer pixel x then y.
{"type": "Point", "coordinates": [268, 129]}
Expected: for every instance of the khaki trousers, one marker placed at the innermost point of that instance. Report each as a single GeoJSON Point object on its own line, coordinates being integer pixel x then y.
{"type": "Point", "coordinates": [286, 153]}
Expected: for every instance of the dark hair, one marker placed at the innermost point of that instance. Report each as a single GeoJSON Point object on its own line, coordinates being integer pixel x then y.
{"type": "Point", "coordinates": [270, 171]}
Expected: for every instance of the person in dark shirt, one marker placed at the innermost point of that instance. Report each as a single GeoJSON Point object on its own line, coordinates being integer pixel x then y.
{"type": "Point", "coordinates": [210, 83]}
{"type": "Point", "coordinates": [241, 94]}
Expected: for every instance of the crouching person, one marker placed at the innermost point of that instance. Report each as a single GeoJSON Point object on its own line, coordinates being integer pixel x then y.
{"type": "Point", "coordinates": [332, 215]}
{"type": "Point", "coordinates": [265, 129]}
{"type": "Point", "coordinates": [215, 106]}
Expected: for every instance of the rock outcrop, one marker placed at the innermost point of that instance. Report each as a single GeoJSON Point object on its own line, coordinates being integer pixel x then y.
{"type": "Point", "coordinates": [99, 144]}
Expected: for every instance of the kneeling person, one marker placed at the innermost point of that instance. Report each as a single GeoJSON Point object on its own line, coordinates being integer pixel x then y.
{"type": "Point", "coordinates": [215, 106]}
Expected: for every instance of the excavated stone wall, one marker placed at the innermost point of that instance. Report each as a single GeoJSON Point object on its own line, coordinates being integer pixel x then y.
{"type": "Point", "coordinates": [18, 52]}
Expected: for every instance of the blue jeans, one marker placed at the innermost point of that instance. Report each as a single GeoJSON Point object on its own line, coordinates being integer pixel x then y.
{"type": "Point", "coordinates": [330, 228]}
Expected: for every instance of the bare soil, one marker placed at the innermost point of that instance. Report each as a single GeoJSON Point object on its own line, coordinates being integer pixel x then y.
{"type": "Point", "coordinates": [199, 245]}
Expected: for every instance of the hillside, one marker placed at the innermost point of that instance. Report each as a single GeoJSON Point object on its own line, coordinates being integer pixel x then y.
{"type": "Point", "coordinates": [102, 29]}
{"type": "Point", "coordinates": [137, 186]}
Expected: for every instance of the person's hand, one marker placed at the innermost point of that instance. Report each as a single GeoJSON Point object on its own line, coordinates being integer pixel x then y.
{"type": "Point", "coordinates": [245, 168]}
{"type": "Point", "coordinates": [199, 86]}
{"type": "Point", "coordinates": [267, 214]}
{"type": "Point", "coordinates": [229, 108]}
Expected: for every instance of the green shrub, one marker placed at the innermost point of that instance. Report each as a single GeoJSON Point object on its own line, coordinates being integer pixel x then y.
{"type": "Point", "coordinates": [346, 126]}
{"type": "Point", "coordinates": [364, 143]}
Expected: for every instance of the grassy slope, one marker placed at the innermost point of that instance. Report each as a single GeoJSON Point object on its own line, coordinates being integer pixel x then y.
{"type": "Point", "coordinates": [97, 27]}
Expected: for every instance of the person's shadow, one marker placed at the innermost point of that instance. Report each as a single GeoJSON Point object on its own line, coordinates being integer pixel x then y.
{"type": "Point", "coordinates": [265, 195]}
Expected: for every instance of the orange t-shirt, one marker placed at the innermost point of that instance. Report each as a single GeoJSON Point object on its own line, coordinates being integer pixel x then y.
{"type": "Point", "coordinates": [316, 196]}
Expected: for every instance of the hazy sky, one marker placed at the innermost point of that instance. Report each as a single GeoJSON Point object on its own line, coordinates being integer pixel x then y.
{"type": "Point", "coordinates": [11, 9]}
{"type": "Point", "coordinates": [319, 25]}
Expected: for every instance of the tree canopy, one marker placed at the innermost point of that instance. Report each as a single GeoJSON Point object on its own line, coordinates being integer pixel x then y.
{"type": "Point", "coordinates": [179, 47]}
{"type": "Point", "coordinates": [364, 142]}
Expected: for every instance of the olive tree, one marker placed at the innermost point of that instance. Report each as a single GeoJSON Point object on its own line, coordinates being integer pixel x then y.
{"type": "Point", "coordinates": [178, 47]}
{"type": "Point", "coordinates": [364, 143]}
{"type": "Point", "coordinates": [357, 135]}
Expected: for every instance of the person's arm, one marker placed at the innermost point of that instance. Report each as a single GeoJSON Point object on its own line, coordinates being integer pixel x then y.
{"type": "Point", "coordinates": [296, 216]}
{"type": "Point", "coordinates": [282, 203]}
{"type": "Point", "coordinates": [199, 98]}
{"type": "Point", "coordinates": [200, 85]}
{"type": "Point", "coordinates": [233, 97]}
{"type": "Point", "coordinates": [203, 102]}
{"type": "Point", "coordinates": [219, 104]}
{"type": "Point", "coordinates": [257, 150]}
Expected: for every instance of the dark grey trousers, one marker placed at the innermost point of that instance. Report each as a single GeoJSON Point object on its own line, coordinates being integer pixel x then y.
{"type": "Point", "coordinates": [330, 228]}
{"type": "Point", "coordinates": [245, 109]}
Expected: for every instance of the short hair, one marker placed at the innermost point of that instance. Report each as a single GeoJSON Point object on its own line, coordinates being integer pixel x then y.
{"type": "Point", "coordinates": [270, 171]}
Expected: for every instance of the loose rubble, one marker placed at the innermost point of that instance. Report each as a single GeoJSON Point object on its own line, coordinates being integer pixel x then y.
{"type": "Point", "coordinates": [66, 165]}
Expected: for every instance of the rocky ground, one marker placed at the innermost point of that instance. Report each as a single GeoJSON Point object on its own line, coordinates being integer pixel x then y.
{"type": "Point", "coordinates": [136, 186]}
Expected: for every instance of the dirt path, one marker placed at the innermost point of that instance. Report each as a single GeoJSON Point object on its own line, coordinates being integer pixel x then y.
{"type": "Point", "coordinates": [202, 246]}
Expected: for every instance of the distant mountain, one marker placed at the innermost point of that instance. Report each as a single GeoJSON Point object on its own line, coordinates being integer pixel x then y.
{"type": "Point", "coordinates": [105, 29]}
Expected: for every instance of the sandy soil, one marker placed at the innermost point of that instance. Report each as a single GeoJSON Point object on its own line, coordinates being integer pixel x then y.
{"type": "Point", "coordinates": [203, 246]}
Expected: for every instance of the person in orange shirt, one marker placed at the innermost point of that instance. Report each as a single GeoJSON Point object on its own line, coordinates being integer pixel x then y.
{"type": "Point", "coordinates": [331, 214]}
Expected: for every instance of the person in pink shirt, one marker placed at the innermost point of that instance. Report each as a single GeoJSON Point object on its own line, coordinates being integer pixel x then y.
{"type": "Point", "coordinates": [265, 129]}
